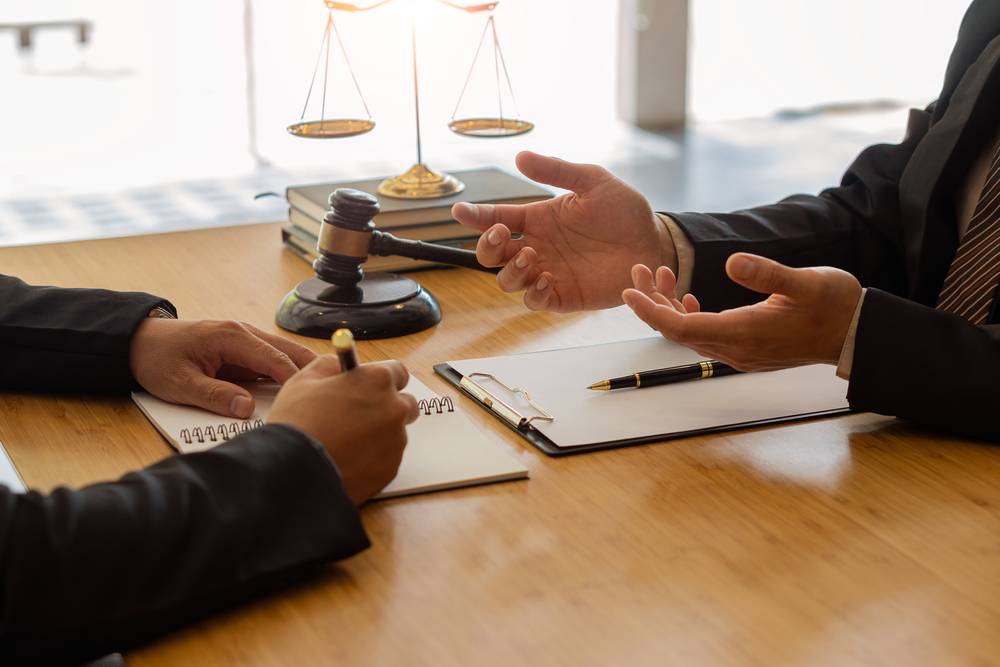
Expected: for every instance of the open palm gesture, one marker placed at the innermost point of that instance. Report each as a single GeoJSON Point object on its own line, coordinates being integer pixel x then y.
{"type": "Point", "coordinates": [573, 252]}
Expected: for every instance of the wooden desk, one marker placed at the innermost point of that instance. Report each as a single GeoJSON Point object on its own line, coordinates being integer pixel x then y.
{"type": "Point", "coordinates": [847, 540]}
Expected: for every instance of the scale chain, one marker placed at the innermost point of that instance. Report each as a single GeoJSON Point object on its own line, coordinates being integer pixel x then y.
{"type": "Point", "coordinates": [472, 68]}
{"type": "Point", "coordinates": [350, 68]}
{"type": "Point", "coordinates": [319, 56]}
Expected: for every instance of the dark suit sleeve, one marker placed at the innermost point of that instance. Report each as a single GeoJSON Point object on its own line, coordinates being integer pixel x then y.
{"type": "Point", "coordinates": [946, 377]}
{"type": "Point", "coordinates": [87, 572]}
{"type": "Point", "coordinates": [68, 340]}
{"type": "Point", "coordinates": [855, 227]}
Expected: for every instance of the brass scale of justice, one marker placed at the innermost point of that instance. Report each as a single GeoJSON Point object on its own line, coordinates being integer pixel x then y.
{"type": "Point", "coordinates": [383, 305]}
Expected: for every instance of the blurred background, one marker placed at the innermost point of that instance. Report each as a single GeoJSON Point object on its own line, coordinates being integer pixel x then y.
{"type": "Point", "coordinates": [120, 118]}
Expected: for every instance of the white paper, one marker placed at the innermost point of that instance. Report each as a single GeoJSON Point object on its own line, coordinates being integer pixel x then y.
{"type": "Point", "coordinates": [557, 381]}
{"type": "Point", "coordinates": [444, 449]}
{"type": "Point", "coordinates": [9, 476]}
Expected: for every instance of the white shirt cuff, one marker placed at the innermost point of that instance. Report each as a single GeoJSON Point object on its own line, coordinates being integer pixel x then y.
{"type": "Point", "coordinates": [847, 352]}
{"type": "Point", "coordinates": [685, 254]}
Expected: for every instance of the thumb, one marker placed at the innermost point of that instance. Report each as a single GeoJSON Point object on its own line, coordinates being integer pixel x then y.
{"type": "Point", "coordinates": [767, 276]}
{"type": "Point", "coordinates": [566, 175]}
{"type": "Point", "coordinates": [219, 396]}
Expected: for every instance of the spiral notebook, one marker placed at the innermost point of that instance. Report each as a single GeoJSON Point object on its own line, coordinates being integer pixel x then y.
{"type": "Point", "coordinates": [445, 450]}
{"type": "Point", "coordinates": [544, 397]}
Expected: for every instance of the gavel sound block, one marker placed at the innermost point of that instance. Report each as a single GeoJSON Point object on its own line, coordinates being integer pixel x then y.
{"type": "Point", "coordinates": [378, 305]}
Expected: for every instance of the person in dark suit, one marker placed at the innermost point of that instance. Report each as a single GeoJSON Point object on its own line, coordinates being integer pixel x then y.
{"type": "Point", "coordinates": [905, 299]}
{"type": "Point", "coordinates": [100, 569]}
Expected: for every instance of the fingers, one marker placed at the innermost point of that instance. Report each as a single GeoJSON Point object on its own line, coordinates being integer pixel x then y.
{"type": "Point", "coordinates": [666, 282]}
{"type": "Point", "coordinates": [324, 365]}
{"type": "Point", "coordinates": [690, 303]}
{"type": "Point", "coordinates": [566, 175]}
{"type": "Point", "coordinates": [642, 279]}
{"type": "Point", "coordinates": [397, 373]}
{"type": "Point", "coordinates": [769, 277]}
{"type": "Point", "coordinates": [220, 397]}
{"type": "Point", "coordinates": [542, 295]}
{"type": "Point", "coordinates": [392, 373]}
{"type": "Point", "coordinates": [241, 347]}
{"type": "Point", "coordinates": [662, 288]}
{"type": "Point", "coordinates": [495, 247]}
{"type": "Point", "coordinates": [693, 329]}
{"type": "Point", "coordinates": [300, 355]}
{"type": "Point", "coordinates": [412, 409]}
{"type": "Point", "coordinates": [648, 310]}
{"type": "Point", "coordinates": [482, 216]}
{"type": "Point", "coordinates": [519, 273]}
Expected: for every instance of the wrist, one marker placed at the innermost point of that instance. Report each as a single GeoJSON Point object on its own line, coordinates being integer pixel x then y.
{"type": "Point", "coordinates": [143, 344]}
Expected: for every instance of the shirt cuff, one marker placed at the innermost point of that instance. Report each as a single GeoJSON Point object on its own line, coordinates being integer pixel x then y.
{"type": "Point", "coordinates": [847, 352]}
{"type": "Point", "coordinates": [685, 254]}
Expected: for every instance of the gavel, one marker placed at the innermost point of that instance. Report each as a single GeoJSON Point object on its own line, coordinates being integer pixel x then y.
{"type": "Point", "coordinates": [348, 236]}
{"type": "Point", "coordinates": [376, 305]}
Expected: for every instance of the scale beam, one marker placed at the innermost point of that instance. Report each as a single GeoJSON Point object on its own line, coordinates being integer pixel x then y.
{"type": "Point", "coordinates": [420, 181]}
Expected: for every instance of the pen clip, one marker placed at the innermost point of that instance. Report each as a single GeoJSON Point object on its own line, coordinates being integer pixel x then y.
{"type": "Point", "coordinates": [505, 410]}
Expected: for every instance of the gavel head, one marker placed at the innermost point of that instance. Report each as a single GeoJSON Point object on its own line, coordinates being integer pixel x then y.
{"type": "Point", "coordinates": [345, 236]}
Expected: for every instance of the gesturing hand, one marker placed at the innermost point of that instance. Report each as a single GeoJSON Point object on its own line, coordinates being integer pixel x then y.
{"type": "Point", "coordinates": [804, 321]}
{"type": "Point", "coordinates": [360, 417]}
{"type": "Point", "coordinates": [575, 251]}
{"type": "Point", "coordinates": [189, 362]}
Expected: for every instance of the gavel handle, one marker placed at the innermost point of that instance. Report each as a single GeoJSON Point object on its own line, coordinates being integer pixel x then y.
{"type": "Point", "coordinates": [384, 243]}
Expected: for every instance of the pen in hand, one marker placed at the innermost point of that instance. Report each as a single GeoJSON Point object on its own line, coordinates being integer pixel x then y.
{"type": "Point", "coordinates": [343, 344]}
{"type": "Point", "coordinates": [638, 380]}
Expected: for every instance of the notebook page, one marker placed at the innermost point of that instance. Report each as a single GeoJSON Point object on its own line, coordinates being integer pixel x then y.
{"type": "Point", "coordinates": [557, 381]}
{"type": "Point", "coordinates": [189, 429]}
{"type": "Point", "coordinates": [445, 450]}
{"type": "Point", "coordinates": [9, 476]}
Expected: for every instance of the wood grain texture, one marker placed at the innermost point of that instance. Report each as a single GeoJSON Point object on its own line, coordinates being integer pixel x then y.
{"type": "Point", "coordinates": [856, 539]}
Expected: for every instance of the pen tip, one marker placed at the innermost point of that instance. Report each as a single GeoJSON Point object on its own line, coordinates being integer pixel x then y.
{"type": "Point", "coordinates": [603, 385]}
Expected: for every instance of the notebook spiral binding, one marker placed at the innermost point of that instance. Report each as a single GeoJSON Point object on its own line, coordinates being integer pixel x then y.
{"type": "Point", "coordinates": [436, 405]}
{"type": "Point", "coordinates": [220, 433]}
{"type": "Point", "coordinates": [224, 431]}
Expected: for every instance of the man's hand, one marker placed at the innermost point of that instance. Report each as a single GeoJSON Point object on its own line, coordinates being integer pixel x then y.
{"type": "Point", "coordinates": [189, 362]}
{"type": "Point", "coordinates": [360, 417]}
{"type": "Point", "coordinates": [574, 251]}
{"type": "Point", "coordinates": [804, 321]}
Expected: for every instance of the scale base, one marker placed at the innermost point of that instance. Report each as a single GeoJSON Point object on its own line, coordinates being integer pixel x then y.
{"type": "Point", "coordinates": [420, 182]}
{"type": "Point", "coordinates": [382, 305]}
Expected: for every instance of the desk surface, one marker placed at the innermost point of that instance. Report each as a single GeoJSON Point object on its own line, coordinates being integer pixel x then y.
{"type": "Point", "coordinates": [854, 539]}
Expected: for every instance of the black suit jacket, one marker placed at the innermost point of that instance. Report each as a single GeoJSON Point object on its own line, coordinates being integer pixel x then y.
{"type": "Point", "coordinates": [892, 223]}
{"type": "Point", "coordinates": [87, 572]}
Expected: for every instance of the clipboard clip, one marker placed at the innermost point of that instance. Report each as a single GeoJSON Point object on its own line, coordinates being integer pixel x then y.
{"type": "Point", "coordinates": [500, 407]}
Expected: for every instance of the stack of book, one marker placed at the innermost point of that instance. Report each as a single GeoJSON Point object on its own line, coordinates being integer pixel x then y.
{"type": "Point", "coordinates": [426, 220]}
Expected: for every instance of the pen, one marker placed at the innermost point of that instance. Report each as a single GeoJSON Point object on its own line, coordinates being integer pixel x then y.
{"type": "Point", "coordinates": [343, 343]}
{"type": "Point", "coordinates": [698, 371]}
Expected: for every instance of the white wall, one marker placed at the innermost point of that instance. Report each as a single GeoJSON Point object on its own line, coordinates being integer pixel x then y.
{"type": "Point", "coordinates": [750, 58]}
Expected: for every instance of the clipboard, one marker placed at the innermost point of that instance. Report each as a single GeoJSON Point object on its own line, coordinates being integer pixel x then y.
{"type": "Point", "coordinates": [532, 415]}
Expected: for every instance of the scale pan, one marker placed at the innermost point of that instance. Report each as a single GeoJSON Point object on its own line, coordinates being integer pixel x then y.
{"type": "Point", "coordinates": [490, 127]}
{"type": "Point", "coordinates": [333, 128]}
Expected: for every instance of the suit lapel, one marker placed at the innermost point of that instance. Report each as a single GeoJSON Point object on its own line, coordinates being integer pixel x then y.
{"type": "Point", "coordinates": [941, 159]}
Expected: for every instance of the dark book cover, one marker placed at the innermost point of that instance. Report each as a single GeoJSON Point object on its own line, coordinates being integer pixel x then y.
{"type": "Point", "coordinates": [485, 185]}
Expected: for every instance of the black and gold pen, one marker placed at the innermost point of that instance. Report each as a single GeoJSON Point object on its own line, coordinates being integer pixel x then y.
{"type": "Point", "coordinates": [638, 380]}
{"type": "Point", "coordinates": [343, 345]}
